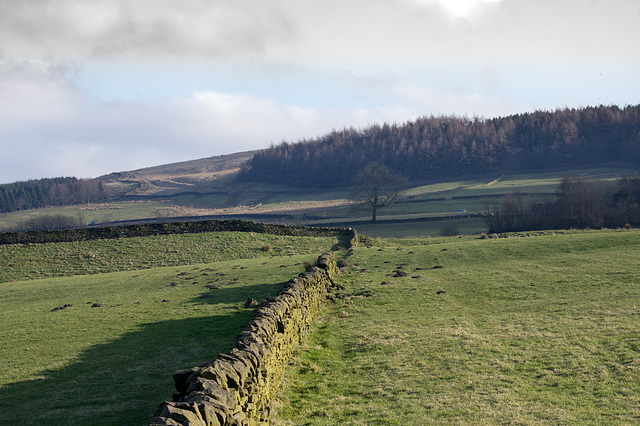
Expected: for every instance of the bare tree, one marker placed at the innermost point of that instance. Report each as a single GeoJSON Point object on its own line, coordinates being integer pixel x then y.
{"type": "Point", "coordinates": [584, 203]}
{"type": "Point", "coordinates": [376, 186]}
{"type": "Point", "coordinates": [510, 214]}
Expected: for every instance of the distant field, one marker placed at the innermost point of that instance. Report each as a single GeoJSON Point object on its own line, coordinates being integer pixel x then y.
{"type": "Point", "coordinates": [523, 330]}
{"type": "Point", "coordinates": [465, 226]}
{"type": "Point", "coordinates": [313, 207]}
{"type": "Point", "coordinates": [98, 213]}
{"type": "Point", "coordinates": [442, 200]}
{"type": "Point", "coordinates": [528, 330]}
{"type": "Point", "coordinates": [36, 261]}
{"type": "Point", "coordinates": [113, 364]}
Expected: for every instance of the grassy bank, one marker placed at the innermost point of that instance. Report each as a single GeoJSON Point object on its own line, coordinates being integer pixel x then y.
{"type": "Point", "coordinates": [36, 261]}
{"type": "Point", "coordinates": [531, 330]}
{"type": "Point", "coordinates": [101, 349]}
{"type": "Point", "coordinates": [527, 330]}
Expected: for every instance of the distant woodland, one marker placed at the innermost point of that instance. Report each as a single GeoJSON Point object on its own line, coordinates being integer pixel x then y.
{"type": "Point", "coordinates": [440, 147]}
{"type": "Point", "coordinates": [50, 192]}
{"type": "Point", "coordinates": [580, 203]}
{"type": "Point", "coordinates": [436, 148]}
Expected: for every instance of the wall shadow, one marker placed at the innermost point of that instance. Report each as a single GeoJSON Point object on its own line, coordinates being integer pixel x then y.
{"type": "Point", "coordinates": [122, 382]}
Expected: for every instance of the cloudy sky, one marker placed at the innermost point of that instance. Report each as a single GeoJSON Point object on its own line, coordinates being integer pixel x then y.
{"type": "Point", "coordinates": [88, 87]}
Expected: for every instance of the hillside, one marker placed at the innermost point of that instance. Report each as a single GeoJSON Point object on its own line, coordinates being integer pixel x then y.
{"type": "Point", "coordinates": [157, 304]}
{"type": "Point", "coordinates": [204, 175]}
{"type": "Point", "coordinates": [445, 147]}
{"type": "Point", "coordinates": [201, 176]}
{"type": "Point", "coordinates": [533, 328]}
{"type": "Point", "coordinates": [452, 163]}
{"type": "Point", "coordinates": [425, 150]}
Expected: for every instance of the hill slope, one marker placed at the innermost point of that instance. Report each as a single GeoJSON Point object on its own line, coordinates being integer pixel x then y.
{"type": "Point", "coordinates": [443, 147]}
{"type": "Point", "coordinates": [452, 164]}
{"type": "Point", "coordinates": [202, 175]}
{"type": "Point", "coordinates": [539, 330]}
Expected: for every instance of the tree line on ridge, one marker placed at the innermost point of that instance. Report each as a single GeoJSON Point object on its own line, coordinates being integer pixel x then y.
{"type": "Point", "coordinates": [445, 146]}
{"type": "Point", "coordinates": [48, 192]}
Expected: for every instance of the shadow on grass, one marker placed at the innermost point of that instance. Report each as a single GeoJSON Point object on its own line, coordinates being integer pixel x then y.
{"type": "Point", "coordinates": [122, 382]}
{"type": "Point", "coordinates": [343, 244]}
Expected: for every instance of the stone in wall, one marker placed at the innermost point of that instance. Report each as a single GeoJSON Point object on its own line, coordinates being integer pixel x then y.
{"type": "Point", "coordinates": [238, 387]}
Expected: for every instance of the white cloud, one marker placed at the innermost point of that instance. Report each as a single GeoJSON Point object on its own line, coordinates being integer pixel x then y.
{"type": "Point", "coordinates": [328, 32]}
{"type": "Point", "coordinates": [465, 9]}
{"type": "Point", "coordinates": [91, 86]}
{"type": "Point", "coordinates": [49, 128]}
{"type": "Point", "coordinates": [130, 29]}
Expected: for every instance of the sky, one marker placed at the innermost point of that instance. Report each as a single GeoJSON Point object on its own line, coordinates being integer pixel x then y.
{"type": "Point", "coordinates": [90, 87]}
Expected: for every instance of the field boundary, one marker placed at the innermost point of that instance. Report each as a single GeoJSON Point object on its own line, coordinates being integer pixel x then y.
{"type": "Point", "coordinates": [169, 228]}
{"type": "Point", "coordinates": [238, 387]}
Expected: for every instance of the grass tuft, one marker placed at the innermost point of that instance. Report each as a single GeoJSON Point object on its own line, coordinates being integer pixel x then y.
{"type": "Point", "coordinates": [101, 348]}
{"type": "Point", "coordinates": [528, 330]}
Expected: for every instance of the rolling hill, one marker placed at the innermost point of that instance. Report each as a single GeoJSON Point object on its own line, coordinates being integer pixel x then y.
{"type": "Point", "coordinates": [452, 163]}
{"type": "Point", "coordinates": [200, 176]}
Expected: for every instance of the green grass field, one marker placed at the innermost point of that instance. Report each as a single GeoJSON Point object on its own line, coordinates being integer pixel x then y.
{"type": "Point", "coordinates": [113, 364]}
{"type": "Point", "coordinates": [423, 199]}
{"type": "Point", "coordinates": [533, 329]}
{"type": "Point", "coordinates": [442, 200]}
{"type": "Point", "coordinates": [98, 213]}
{"type": "Point", "coordinates": [529, 330]}
{"type": "Point", "coordinates": [463, 225]}
{"type": "Point", "coordinates": [34, 261]}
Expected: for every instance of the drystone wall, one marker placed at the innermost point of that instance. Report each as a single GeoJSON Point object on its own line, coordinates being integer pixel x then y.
{"type": "Point", "coordinates": [238, 387]}
{"type": "Point", "coordinates": [168, 228]}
